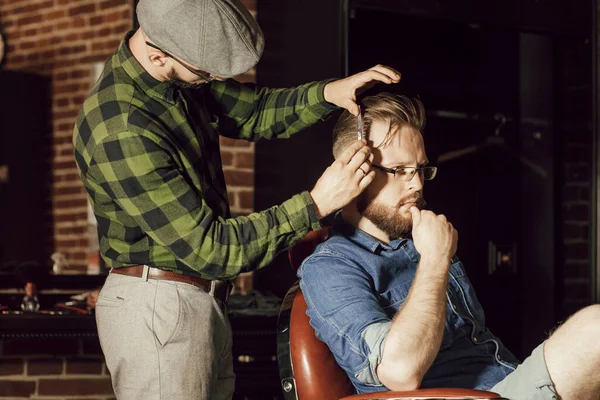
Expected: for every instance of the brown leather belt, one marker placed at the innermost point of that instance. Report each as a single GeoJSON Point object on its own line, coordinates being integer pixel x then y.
{"type": "Point", "coordinates": [220, 290]}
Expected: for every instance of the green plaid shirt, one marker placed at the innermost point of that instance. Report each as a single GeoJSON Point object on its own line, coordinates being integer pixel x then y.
{"type": "Point", "coordinates": [149, 157]}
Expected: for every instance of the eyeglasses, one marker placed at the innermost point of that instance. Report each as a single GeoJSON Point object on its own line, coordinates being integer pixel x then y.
{"type": "Point", "coordinates": [407, 173]}
{"type": "Point", "coordinates": [198, 73]}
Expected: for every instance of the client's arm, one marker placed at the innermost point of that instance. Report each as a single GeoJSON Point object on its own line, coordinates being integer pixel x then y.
{"type": "Point", "coordinates": [417, 329]}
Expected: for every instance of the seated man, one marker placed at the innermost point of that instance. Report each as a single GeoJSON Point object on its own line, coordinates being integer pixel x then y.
{"type": "Point", "coordinates": [391, 300]}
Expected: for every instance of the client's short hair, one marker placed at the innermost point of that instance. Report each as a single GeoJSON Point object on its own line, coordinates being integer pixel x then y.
{"type": "Point", "coordinates": [397, 110]}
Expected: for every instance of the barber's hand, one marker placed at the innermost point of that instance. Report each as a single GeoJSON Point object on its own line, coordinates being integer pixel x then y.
{"type": "Point", "coordinates": [343, 92]}
{"type": "Point", "coordinates": [343, 180]}
{"type": "Point", "coordinates": [434, 237]}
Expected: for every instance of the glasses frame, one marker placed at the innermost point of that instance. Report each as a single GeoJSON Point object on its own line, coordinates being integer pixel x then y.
{"type": "Point", "coordinates": [415, 169]}
{"type": "Point", "coordinates": [206, 77]}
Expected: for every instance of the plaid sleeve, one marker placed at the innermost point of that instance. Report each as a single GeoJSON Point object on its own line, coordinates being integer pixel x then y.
{"type": "Point", "coordinates": [252, 115]}
{"type": "Point", "coordinates": [143, 180]}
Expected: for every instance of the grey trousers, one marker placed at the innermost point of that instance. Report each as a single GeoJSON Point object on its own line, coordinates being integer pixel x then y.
{"type": "Point", "coordinates": [530, 381]}
{"type": "Point", "coordinates": [164, 340]}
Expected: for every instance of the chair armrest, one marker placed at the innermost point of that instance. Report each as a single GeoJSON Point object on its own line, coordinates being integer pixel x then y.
{"type": "Point", "coordinates": [430, 394]}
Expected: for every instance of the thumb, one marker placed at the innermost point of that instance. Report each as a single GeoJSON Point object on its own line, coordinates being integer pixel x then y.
{"type": "Point", "coordinates": [416, 215]}
{"type": "Point", "coordinates": [353, 108]}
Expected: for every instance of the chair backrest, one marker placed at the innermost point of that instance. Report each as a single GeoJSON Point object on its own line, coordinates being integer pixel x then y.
{"type": "Point", "coordinates": [307, 368]}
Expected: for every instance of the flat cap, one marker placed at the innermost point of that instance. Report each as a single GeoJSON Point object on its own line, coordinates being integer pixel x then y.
{"type": "Point", "coordinates": [218, 36]}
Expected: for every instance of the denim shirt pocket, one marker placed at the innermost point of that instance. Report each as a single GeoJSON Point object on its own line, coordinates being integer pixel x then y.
{"type": "Point", "coordinates": [462, 295]}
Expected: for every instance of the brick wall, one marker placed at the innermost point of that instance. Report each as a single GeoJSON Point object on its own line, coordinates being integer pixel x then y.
{"type": "Point", "coordinates": [63, 39]}
{"type": "Point", "coordinates": [574, 169]}
{"type": "Point", "coordinates": [53, 369]}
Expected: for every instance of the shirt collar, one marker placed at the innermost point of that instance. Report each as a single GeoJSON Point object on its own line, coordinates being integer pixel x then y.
{"type": "Point", "coordinates": [140, 76]}
{"type": "Point", "coordinates": [362, 238]}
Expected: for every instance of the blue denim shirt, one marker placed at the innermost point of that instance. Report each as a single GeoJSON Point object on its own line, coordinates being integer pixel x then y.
{"type": "Point", "coordinates": [354, 285]}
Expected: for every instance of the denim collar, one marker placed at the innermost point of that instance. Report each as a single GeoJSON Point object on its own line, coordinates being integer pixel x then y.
{"type": "Point", "coordinates": [363, 239]}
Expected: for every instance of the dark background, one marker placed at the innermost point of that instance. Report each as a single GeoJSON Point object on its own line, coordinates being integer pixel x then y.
{"type": "Point", "coordinates": [472, 64]}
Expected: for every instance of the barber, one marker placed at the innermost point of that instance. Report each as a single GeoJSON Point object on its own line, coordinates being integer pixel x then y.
{"type": "Point", "coordinates": [147, 147]}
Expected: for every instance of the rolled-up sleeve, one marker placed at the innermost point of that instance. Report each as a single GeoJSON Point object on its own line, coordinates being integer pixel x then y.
{"type": "Point", "coordinates": [345, 312]}
{"type": "Point", "coordinates": [374, 336]}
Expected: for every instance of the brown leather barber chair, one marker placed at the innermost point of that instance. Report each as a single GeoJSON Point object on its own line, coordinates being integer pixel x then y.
{"type": "Point", "coordinates": [308, 370]}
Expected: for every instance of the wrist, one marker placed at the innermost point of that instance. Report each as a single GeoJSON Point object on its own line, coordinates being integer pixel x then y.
{"type": "Point", "coordinates": [435, 262]}
{"type": "Point", "coordinates": [317, 205]}
{"type": "Point", "coordinates": [329, 94]}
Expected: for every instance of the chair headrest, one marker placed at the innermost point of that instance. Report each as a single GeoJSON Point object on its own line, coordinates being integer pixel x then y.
{"type": "Point", "coordinates": [306, 246]}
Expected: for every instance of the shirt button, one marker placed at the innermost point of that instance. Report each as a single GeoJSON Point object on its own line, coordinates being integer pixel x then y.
{"type": "Point", "coordinates": [498, 357]}
{"type": "Point", "coordinates": [474, 340]}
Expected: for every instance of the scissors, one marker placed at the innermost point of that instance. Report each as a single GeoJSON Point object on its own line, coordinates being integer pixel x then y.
{"type": "Point", "coordinates": [360, 124]}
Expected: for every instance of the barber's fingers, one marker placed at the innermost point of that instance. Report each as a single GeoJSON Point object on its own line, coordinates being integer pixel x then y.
{"type": "Point", "coordinates": [374, 75]}
{"type": "Point", "coordinates": [365, 80]}
{"type": "Point", "coordinates": [393, 75]}
{"type": "Point", "coordinates": [364, 168]}
{"type": "Point", "coordinates": [349, 153]}
{"type": "Point", "coordinates": [343, 92]}
{"type": "Point", "coordinates": [366, 180]}
{"type": "Point", "coordinates": [361, 156]}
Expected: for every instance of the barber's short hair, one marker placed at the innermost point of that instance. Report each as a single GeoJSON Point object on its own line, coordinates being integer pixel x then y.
{"type": "Point", "coordinates": [397, 110]}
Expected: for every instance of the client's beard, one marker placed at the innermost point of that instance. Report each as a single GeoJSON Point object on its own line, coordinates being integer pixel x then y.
{"type": "Point", "coordinates": [394, 224]}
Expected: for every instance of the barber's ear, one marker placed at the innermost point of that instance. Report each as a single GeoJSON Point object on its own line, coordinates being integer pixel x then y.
{"type": "Point", "coordinates": [157, 57]}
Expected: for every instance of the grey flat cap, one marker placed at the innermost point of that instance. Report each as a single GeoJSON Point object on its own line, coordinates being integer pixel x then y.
{"type": "Point", "coordinates": [218, 36]}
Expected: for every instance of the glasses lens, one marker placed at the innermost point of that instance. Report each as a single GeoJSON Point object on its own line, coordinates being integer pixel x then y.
{"type": "Point", "coordinates": [407, 173]}
{"type": "Point", "coordinates": [404, 173]}
{"type": "Point", "coordinates": [429, 173]}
